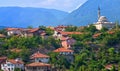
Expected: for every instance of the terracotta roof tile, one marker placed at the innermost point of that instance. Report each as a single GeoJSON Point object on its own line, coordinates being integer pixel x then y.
{"type": "Point", "coordinates": [12, 29]}
{"type": "Point", "coordinates": [63, 50]}
{"type": "Point", "coordinates": [111, 32]}
{"type": "Point", "coordinates": [29, 30]}
{"type": "Point", "coordinates": [34, 30]}
{"type": "Point", "coordinates": [15, 61]}
{"type": "Point", "coordinates": [64, 38]}
{"type": "Point", "coordinates": [38, 64]}
{"type": "Point", "coordinates": [43, 34]}
{"type": "Point", "coordinates": [3, 59]}
{"type": "Point", "coordinates": [39, 55]}
{"type": "Point", "coordinates": [69, 33]}
{"type": "Point", "coordinates": [108, 66]}
{"type": "Point", "coordinates": [96, 35]}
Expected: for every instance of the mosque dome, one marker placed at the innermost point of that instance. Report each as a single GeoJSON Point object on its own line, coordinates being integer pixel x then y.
{"type": "Point", "coordinates": [102, 19]}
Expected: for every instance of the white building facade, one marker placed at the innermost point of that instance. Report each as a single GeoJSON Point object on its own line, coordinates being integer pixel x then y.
{"type": "Point", "coordinates": [38, 57]}
{"type": "Point", "coordinates": [10, 65]}
{"type": "Point", "coordinates": [103, 22]}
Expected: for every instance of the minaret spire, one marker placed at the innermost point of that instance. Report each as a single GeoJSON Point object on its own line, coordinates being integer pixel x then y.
{"type": "Point", "coordinates": [99, 12]}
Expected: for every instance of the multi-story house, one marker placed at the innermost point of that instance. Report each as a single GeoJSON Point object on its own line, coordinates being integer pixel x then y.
{"type": "Point", "coordinates": [39, 57]}
{"type": "Point", "coordinates": [12, 64]}
{"type": "Point", "coordinates": [38, 66]}
{"type": "Point", "coordinates": [13, 31]}
{"type": "Point", "coordinates": [67, 42]}
{"type": "Point", "coordinates": [39, 63]}
{"type": "Point", "coordinates": [23, 32]}
{"type": "Point", "coordinates": [2, 60]}
{"type": "Point", "coordinates": [59, 34]}
{"type": "Point", "coordinates": [65, 52]}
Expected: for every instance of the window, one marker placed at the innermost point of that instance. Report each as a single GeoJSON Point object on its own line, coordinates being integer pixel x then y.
{"type": "Point", "coordinates": [9, 69]}
{"type": "Point", "coordinates": [8, 64]}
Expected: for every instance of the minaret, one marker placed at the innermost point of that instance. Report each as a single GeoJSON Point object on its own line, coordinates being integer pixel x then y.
{"type": "Point", "coordinates": [98, 13]}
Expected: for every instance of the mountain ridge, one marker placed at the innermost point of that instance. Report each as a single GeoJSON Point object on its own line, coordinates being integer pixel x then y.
{"type": "Point", "coordinates": [87, 13]}
{"type": "Point", "coordinates": [29, 16]}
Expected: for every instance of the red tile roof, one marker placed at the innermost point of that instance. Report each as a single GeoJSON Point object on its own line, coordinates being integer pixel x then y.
{"type": "Point", "coordinates": [43, 34]}
{"type": "Point", "coordinates": [38, 64]}
{"type": "Point", "coordinates": [96, 35]}
{"type": "Point", "coordinates": [29, 30]}
{"type": "Point", "coordinates": [60, 27]}
{"type": "Point", "coordinates": [64, 38]}
{"type": "Point", "coordinates": [108, 66]}
{"type": "Point", "coordinates": [111, 32]}
{"type": "Point", "coordinates": [69, 33]}
{"type": "Point", "coordinates": [39, 55]}
{"type": "Point", "coordinates": [34, 30]}
{"type": "Point", "coordinates": [15, 61]}
{"type": "Point", "coordinates": [63, 50]}
{"type": "Point", "coordinates": [3, 59]}
{"type": "Point", "coordinates": [12, 29]}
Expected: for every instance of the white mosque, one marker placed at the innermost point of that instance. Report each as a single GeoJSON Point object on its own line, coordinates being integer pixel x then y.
{"type": "Point", "coordinates": [103, 22]}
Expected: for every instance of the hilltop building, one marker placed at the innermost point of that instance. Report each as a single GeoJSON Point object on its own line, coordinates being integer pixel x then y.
{"type": "Point", "coordinates": [103, 22]}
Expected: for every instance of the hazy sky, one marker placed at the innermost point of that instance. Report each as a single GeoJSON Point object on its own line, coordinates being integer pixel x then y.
{"type": "Point", "coordinates": [65, 5]}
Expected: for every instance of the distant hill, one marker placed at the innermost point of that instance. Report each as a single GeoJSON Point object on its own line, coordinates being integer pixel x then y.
{"type": "Point", "coordinates": [23, 17]}
{"type": "Point", "coordinates": [87, 13]}
{"type": "Point", "coordinates": [2, 27]}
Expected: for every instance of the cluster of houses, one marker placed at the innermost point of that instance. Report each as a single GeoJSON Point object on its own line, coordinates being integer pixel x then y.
{"type": "Point", "coordinates": [59, 33]}
{"type": "Point", "coordinates": [39, 61]}
{"type": "Point", "coordinates": [23, 32]}
{"type": "Point", "coordinates": [66, 41]}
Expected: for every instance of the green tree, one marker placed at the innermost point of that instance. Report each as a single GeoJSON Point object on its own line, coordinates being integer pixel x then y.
{"type": "Point", "coordinates": [30, 27]}
{"type": "Point", "coordinates": [49, 31]}
{"type": "Point", "coordinates": [104, 29]}
{"type": "Point", "coordinates": [71, 28]}
{"type": "Point", "coordinates": [17, 69]}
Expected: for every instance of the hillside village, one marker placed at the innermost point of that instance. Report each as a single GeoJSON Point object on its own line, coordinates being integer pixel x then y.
{"type": "Point", "coordinates": [62, 48]}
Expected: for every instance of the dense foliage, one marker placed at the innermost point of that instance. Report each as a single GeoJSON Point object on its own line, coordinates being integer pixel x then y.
{"type": "Point", "coordinates": [90, 54]}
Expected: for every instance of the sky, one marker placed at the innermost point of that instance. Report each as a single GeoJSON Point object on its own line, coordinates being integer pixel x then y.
{"type": "Point", "coordinates": [64, 5]}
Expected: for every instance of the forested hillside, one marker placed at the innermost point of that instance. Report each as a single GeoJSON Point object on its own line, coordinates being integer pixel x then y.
{"type": "Point", "coordinates": [93, 51]}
